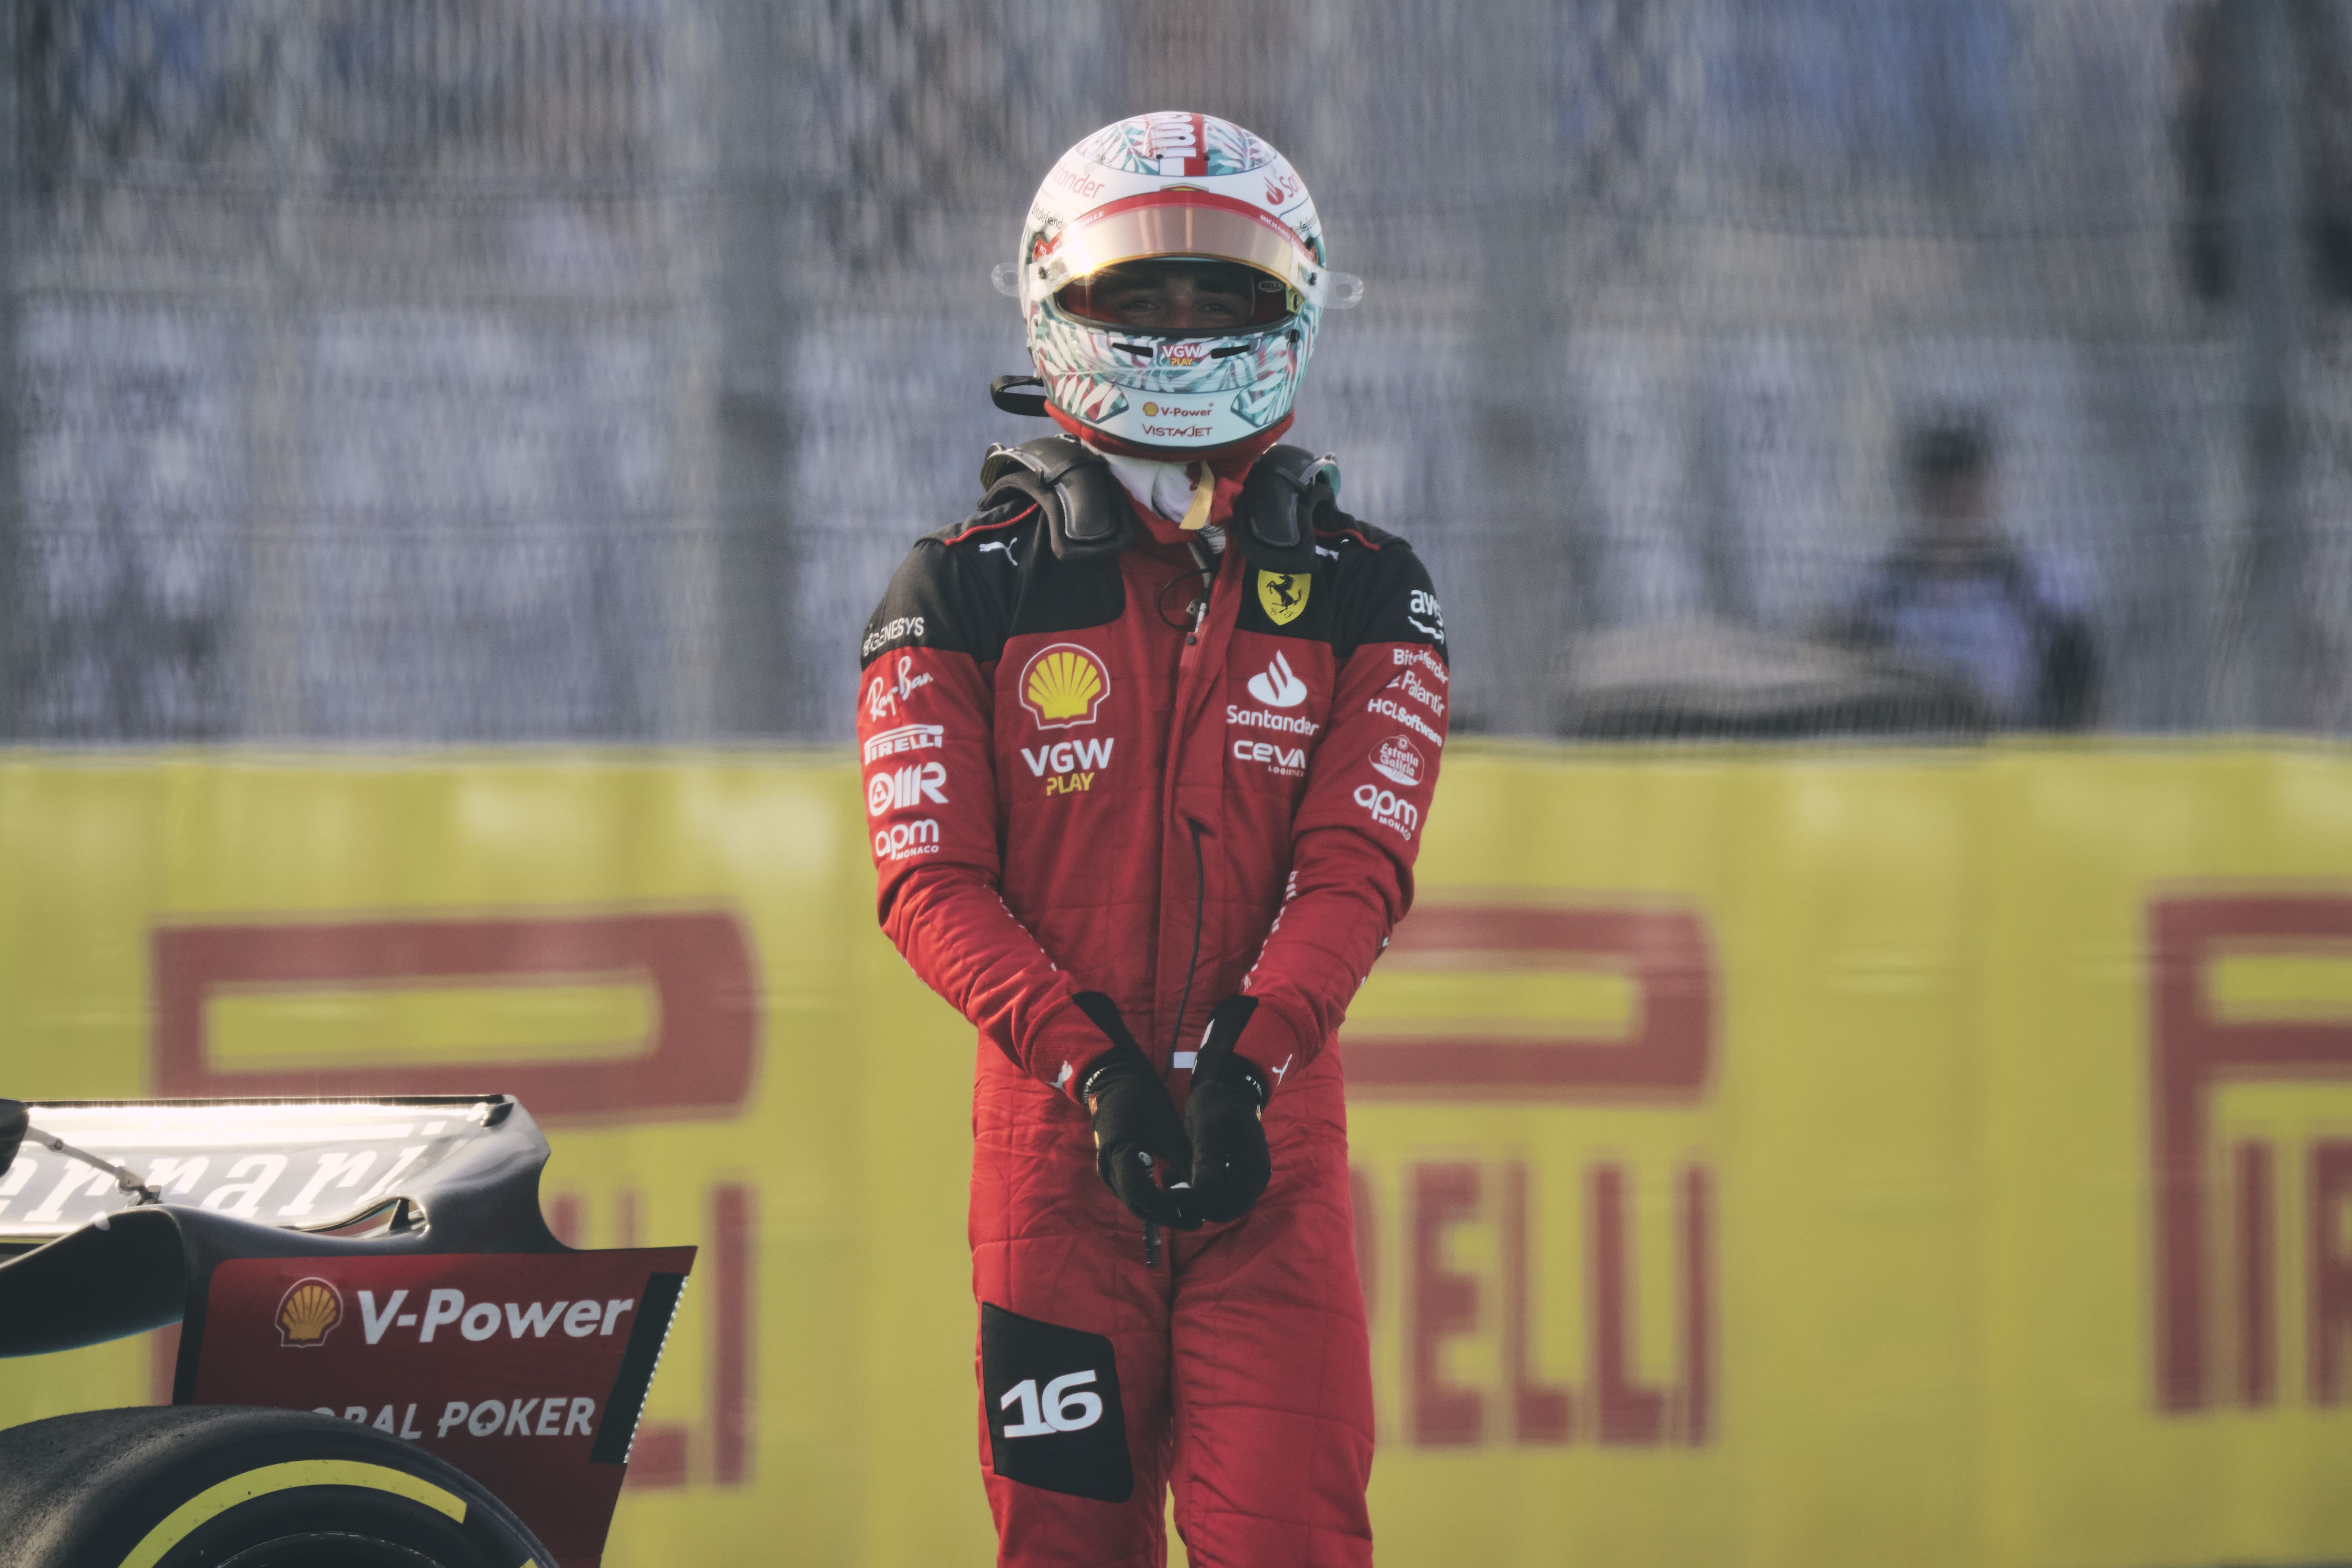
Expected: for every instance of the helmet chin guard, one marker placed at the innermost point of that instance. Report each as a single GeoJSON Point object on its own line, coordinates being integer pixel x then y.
{"type": "Point", "coordinates": [1159, 187]}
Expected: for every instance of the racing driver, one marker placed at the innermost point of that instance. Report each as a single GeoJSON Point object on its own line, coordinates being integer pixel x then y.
{"type": "Point", "coordinates": [1149, 744]}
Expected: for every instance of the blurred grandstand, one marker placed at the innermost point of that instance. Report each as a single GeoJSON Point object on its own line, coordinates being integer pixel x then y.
{"type": "Point", "coordinates": [574, 370]}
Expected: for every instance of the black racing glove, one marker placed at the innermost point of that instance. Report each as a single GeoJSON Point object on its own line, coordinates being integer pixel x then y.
{"type": "Point", "coordinates": [1135, 1121]}
{"type": "Point", "coordinates": [1222, 1116]}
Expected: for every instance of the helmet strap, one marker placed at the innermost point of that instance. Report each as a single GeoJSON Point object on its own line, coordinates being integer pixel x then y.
{"type": "Point", "coordinates": [1204, 495]}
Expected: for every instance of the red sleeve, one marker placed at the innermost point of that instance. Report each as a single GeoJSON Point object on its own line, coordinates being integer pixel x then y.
{"type": "Point", "coordinates": [1356, 833]}
{"type": "Point", "coordinates": [927, 760]}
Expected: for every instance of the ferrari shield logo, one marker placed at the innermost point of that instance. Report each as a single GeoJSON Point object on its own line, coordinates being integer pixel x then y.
{"type": "Point", "coordinates": [1284, 595]}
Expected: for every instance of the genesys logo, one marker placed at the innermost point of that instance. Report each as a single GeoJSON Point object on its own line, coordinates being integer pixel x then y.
{"type": "Point", "coordinates": [1396, 761]}
{"type": "Point", "coordinates": [1277, 685]}
{"type": "Point", "coordinates": [479, 1320]}
{"type": "Point", "coordinates": [1390, 810]}
{"type": "Point", "coordinates": [308, 1313]}
{"type": "Point", "coordinates": [905, 738]}
{"type": "Point", "coordinates": [897, 629]}
{"type": "Point", "coordinates": [1064, 685]}
{"type": "Point", "coordinates": [899, 788]}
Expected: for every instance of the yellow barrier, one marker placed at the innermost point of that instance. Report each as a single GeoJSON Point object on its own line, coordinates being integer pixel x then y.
{"type": "Point", "coordinates": [1834, 1158]}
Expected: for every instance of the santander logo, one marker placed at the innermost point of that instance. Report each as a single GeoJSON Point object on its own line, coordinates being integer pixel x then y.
{"type": "Point", "coordinates": [1277, 685]}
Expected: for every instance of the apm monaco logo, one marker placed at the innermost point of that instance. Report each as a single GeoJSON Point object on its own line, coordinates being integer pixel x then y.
{"type": "Point", "coordinates": [1395, 760]}
{"type": "Point", "coordinates": [308, 1313]}
{"type": "Point", "coordinates": [1064, 685]}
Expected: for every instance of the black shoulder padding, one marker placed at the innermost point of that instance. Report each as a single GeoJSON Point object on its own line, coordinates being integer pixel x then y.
{"type": "Point", "coordinates": [1085, 508]}
{"type": "Point", "coordinates": [950, 595]}
{"type": "Point", "coordinates": [1008, 510]}
{"type": "Point", "coordinates": [1286, 489]}
{"type": "Point", "coordinates": [1383, 593]}
{"type": "Point", "coordinates": [1338, 524]}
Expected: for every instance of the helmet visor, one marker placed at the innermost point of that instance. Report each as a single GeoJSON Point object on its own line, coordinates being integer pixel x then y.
{"type": "Point", "coordinates": [1169, 224]}
{"type": "Point", "coordinates": [1179, 294]}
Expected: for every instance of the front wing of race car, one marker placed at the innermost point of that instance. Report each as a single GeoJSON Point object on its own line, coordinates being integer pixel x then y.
{"type": "Point", "coordinates": [383, 1261]}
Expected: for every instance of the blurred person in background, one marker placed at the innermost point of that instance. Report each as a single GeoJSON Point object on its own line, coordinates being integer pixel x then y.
{"type": "Point", "coordinates": [1159, 691]}
{"type": "Point", "coordinates": [1958, 596]}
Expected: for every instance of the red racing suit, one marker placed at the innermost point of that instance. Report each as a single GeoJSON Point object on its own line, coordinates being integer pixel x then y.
{"type": "Point", "coordinates": [1074, 785]}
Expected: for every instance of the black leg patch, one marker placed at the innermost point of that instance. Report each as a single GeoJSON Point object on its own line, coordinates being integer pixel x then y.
{"type": "Point", "coordinates": [1052, 1398]}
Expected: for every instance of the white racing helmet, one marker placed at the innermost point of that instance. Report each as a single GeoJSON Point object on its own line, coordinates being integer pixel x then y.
{"type": "Point", "coordinates": [1158, 187]}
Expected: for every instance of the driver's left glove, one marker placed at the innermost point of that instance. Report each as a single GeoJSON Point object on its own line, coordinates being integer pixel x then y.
{"type": "Point", "coordinates": [1222, 1113]}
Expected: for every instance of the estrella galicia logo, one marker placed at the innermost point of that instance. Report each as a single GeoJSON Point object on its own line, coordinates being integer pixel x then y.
{"type": "Point", "coordinates": [1052, 1400]}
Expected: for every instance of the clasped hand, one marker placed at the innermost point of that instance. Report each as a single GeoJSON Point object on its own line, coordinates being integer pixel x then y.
{"type": "Point", "coordinates": [1215, 1154]}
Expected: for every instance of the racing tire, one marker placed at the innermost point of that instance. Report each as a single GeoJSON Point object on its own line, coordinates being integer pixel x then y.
{"type": "Point", "coordinates": [225, 1486]}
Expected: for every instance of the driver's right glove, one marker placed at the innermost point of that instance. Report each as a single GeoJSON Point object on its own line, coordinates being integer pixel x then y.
{"type": "Point", "coordinates": [1135, 1121]}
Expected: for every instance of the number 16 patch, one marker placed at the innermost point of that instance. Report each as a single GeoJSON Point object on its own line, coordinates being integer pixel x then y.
{"type": "Point", "coordinates": [1051, 1399]}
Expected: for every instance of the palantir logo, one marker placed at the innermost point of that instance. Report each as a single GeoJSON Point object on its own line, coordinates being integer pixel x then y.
{"type": "Point", "coordinates": [308, 1313]}
{"type": "Point", "coordinates": [1277, 685]}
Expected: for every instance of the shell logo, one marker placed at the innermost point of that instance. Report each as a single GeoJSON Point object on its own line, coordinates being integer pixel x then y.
{"type": "Point", "coordinates": [1064, 685]}
{"type": "Point", "coordinates": [308, 1313]}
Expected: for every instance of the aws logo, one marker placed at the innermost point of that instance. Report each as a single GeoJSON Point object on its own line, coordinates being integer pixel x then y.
{"type": "Point", "coordinates": [1064, 685]}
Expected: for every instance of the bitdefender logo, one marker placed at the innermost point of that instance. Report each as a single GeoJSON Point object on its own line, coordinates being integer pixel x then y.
{"type": "Point", "coordinates": [1277, 685]}
{"type": "Point", "coordinates": [308, 1313]}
